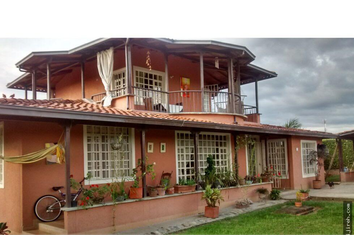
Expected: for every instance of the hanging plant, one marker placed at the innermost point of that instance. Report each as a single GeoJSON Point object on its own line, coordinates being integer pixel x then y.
{"type": "Point", "coordinates": [148, 60]}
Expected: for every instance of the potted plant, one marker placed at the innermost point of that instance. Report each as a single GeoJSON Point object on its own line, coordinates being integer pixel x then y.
{"type": "Point", "coordinates": [212, 197]}
{"type": "Point", "coordinates": [170, 190]}
{"type": "Point", "coordinates": [249, 180]}
{"type": "Point", "coordinates": [161, 190]}
{"type": "Point", "coordinates": [274, 194]}
{"type": "Point", "coordinates": [317, 157]}
{"type": "Point", "coordinates": [184, 186]}
{"type": "Point", "coordinates": [117, 190]}
{"type": "Point", "coordinates": [298, 201]}
{"type": "Point", "coordinates": [241, 181]}
{"type": "Point", "coordinates": [94, 195]}
{"type": "Point", "coordinates": [4, 229]}
{"type": "Point", "coordinates": [152, 190]}
{"type": "Point", "coordinates": [75, 186]}
{"type": "Point", "coordinates": [304, 194]}
{"type": "Point", "coordinates": [136, 192]}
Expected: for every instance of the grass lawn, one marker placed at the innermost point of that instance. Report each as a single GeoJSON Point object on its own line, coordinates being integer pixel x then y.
{"type": "Point", "coordinates": [333, 178]}
{"type": "Point", "coordinates": [327, 220]}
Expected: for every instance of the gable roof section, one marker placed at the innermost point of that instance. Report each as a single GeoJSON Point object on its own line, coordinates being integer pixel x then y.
{"type": "Point", "coordinates": [81, 111]}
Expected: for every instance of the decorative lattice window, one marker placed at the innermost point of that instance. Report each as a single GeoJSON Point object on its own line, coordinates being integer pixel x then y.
{"type": "Point", "coordinates": [149, 84]}
{"type": "Point", "coordinates": [277, 156]}
{"type": "Point", "coordinates": [118, 85]}
{"type": "Point", "coordinates": [308, 167]}
{"type": "Point", "coordinates": [2, 162]}
{"type": "Point", "coordinates": [217, 145]}
{"type": "Point", "coordinates": [108, 152]}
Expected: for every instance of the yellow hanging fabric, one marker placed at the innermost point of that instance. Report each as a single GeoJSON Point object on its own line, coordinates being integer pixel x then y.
{"type": "Point", "coordinates": [57, 149]}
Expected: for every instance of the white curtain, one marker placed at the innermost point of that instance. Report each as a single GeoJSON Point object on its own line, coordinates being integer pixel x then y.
{"type": "Point", "coordinates": [105, 69]}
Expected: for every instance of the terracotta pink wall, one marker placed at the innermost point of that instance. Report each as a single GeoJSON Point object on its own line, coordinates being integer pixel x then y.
{"type": "Point", "coordinates": [149, 211]}
{"type": "Point", "coordinates": [347, 176]}
{"type": "Point", "coordinates": [11, 194]}
{"type": "Point", "coordinates": [295, 166]}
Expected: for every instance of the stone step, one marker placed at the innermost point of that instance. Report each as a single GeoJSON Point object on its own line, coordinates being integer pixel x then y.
{"type": "Point", "coordinates": [56, 227]}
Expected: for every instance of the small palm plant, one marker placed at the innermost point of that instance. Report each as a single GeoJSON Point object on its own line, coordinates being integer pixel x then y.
{"type": "Point", "coordinates": [212, 196]}
{"type": "Point", "coordinates": [4, 229]}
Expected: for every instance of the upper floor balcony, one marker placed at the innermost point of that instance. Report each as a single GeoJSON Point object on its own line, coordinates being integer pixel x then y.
{"type": "Point", "coordinates": [160, 75]}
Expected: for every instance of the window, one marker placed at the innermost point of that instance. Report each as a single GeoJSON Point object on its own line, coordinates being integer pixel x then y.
{"type": "Point", "coordinates": [251, 149]}
{"type": "Point", "coordinates": [2, 162]}
{"type": "Point", "coordinates": [108, 152]}
{"type": "Point", "coordinates": [277, 156]}
{"type": "Point", "coordinates": [118, 85]}
{"type": "Point", "coordinates": [308, 167]}
{"type": "Point", "coordinates": [209, 144]}
{"type": "Point", "coordinates": [148, 85]}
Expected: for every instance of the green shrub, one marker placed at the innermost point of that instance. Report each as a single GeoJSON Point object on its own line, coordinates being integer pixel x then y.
{"type": "Point", "coordinates": [348, 153]}
{"type": "Point", "coordinates": [274, 194]}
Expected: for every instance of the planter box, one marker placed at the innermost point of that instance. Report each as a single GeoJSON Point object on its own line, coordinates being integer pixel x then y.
{"type": "Point", "coordinates": [211, 212]}
{"type": "Point", "coordinates": [136, 193]}
{"type": "Point", "coordinates": [184, 188]}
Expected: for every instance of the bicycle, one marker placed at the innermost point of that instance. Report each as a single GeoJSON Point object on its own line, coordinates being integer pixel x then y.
{"type": "Point", "coordinates": [48, 207]}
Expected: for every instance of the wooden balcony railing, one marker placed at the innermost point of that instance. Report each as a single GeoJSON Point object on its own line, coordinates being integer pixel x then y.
{"type": "Point", "coordinates": [191, 101]}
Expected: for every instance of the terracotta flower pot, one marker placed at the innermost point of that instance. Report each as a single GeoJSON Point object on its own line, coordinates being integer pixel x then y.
{"type": "Point", "coordinates": [304, 196]}
{"type": "Point", "coordinates": [136, 193]}
{"type": "Point", "coordinates": [317, 184]}
{"type": "Point", "coordinates": [298, 204]}
{"type": "Point", "coordinates": [242, 181]}
{"type": "Point", "coordinates": [153, 192]}
{"type": "Point", "coordinates": [184, 188]}
{"type": "Point", "coordinates": [265, 179]}
{"type": "Point", "coordinates": [170, 191]}
{"type": "Point", "coordinates": [211, 212]}
{"type": "Point", "coordinates": [161, 191]}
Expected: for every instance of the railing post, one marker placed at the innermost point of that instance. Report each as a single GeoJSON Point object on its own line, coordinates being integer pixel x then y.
{"type": "Point", "coordinates": [167, 84]}
{"type": "Point", "coordinates": [48, 81]}
{"type": "Point", "coordinates": [34, 87]}
{"type": "Point", "coordinates": [256, 93]}
{"type": "Point", "coordinates": [128, 74]}
{"type": "Point", "coordinates": [83, 79]}
{"type": "Point", "coordinates": [202, 80]}
{"type": "Point", "coordinates": [143, 161]}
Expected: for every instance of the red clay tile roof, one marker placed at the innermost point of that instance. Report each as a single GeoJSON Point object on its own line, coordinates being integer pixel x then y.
{"type": "Point", "coordinates": [82, 106]}
{"type": "Point", "coordinates": [281, 128]}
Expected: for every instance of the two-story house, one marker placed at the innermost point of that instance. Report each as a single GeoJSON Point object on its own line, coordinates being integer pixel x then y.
{"type": "Point", "coordinates": [175, 102]}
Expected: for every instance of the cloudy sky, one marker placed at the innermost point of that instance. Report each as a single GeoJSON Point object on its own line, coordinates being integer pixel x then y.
{"type": "Point", "coordinates": [312, 54]}
{"type": "Point", "coordinates": [315, 77]}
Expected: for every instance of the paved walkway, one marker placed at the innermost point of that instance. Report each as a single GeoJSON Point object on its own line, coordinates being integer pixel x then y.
{"type": "Point", "coordinates": [343, 191]}
{"type": "Point", "coordinates": [180, 224]}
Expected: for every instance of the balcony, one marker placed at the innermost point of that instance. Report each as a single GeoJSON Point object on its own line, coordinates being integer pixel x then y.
{"type": "Point", "coordinates": [190, 101]}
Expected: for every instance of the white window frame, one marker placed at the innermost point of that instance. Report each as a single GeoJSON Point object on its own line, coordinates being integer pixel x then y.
{"type": "Point", "coordinates": [108, 180]}
{"type": "Point", "coordinates": [256, 138]}
{"type": "Point", "coordinates": [120, 71]}
{"type": "Point", "coordinates": [302, 159]}
{"type": "Point", "coordinates": [230, 164]}
{"type": "Point", "coordinates": [286, 155]}
{"type": "Point", "coordinates": [163, 84]}
{"type": "Point", "coordinates": [2, 162]}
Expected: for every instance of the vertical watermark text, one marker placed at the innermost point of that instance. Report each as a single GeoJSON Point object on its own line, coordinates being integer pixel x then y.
{"type": "Point", "coordinates": [347, 218]}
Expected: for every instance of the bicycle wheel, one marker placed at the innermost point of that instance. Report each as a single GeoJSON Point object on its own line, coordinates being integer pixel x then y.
{"type": "Point", "coordinates": [47, 208]}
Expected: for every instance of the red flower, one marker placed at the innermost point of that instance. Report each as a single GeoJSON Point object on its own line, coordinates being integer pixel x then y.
{"type": "Point", "coordinates": [71, 176]}
{"type": "Point", "coordinates": [259, 175]}
{"type": "Point", "coordinates": [273, 174]}
{"type": "Point", "coordinates": [96, 185]}
{"type": "Point", "coordinates": [279, 174]}
{"type": "Point", "coordinates": [92, 185]}
{"type": "Point", "coordinates": [87, 198]}
{"type": "Point", "coordinates": [271, 167]}
{"type": "Point", "coordinates": [108, 184]}
{"type": "Point", "coordinates": [82, 204]}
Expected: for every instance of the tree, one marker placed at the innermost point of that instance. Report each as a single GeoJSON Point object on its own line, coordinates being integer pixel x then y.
{"type": "Point", "coordinates": [293, 123]}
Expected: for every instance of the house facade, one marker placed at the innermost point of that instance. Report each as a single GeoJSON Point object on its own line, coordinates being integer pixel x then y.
{"type": "Point", "coordinates": [173, 102]}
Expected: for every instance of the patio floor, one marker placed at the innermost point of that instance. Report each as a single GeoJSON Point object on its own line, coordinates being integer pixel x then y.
{"type": "Point", "coordinates": [343, 191]}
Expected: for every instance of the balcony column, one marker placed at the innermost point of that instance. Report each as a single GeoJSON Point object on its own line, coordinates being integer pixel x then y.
{"type": "Point", "coordinates": [128, 71]}
{"type": "Point", "coordinates": [82, 79]}
{"type": "Point", "coordinates": [143, 160]}
{"type": "Point", "coordinates": [256, 93]}
{"type": "Point", "coordinates": [49, 75]}
{"type": "Point", "coordinates": [34, 87]}
{"type": "Point", "coordinates": [231, 85]}
{"type": "Point", "coordinates": [67, 130]}
{"type": "Point", "coordinates": [26, 93]}
{"type": "Point", "coordinates": [167, 84]}
{"type": "Point", "coordinates": [202, 80]}
{"type": "Point", "coordinates": [239, 107]}
{"type": "Point", "coordinates": [196, 157]}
